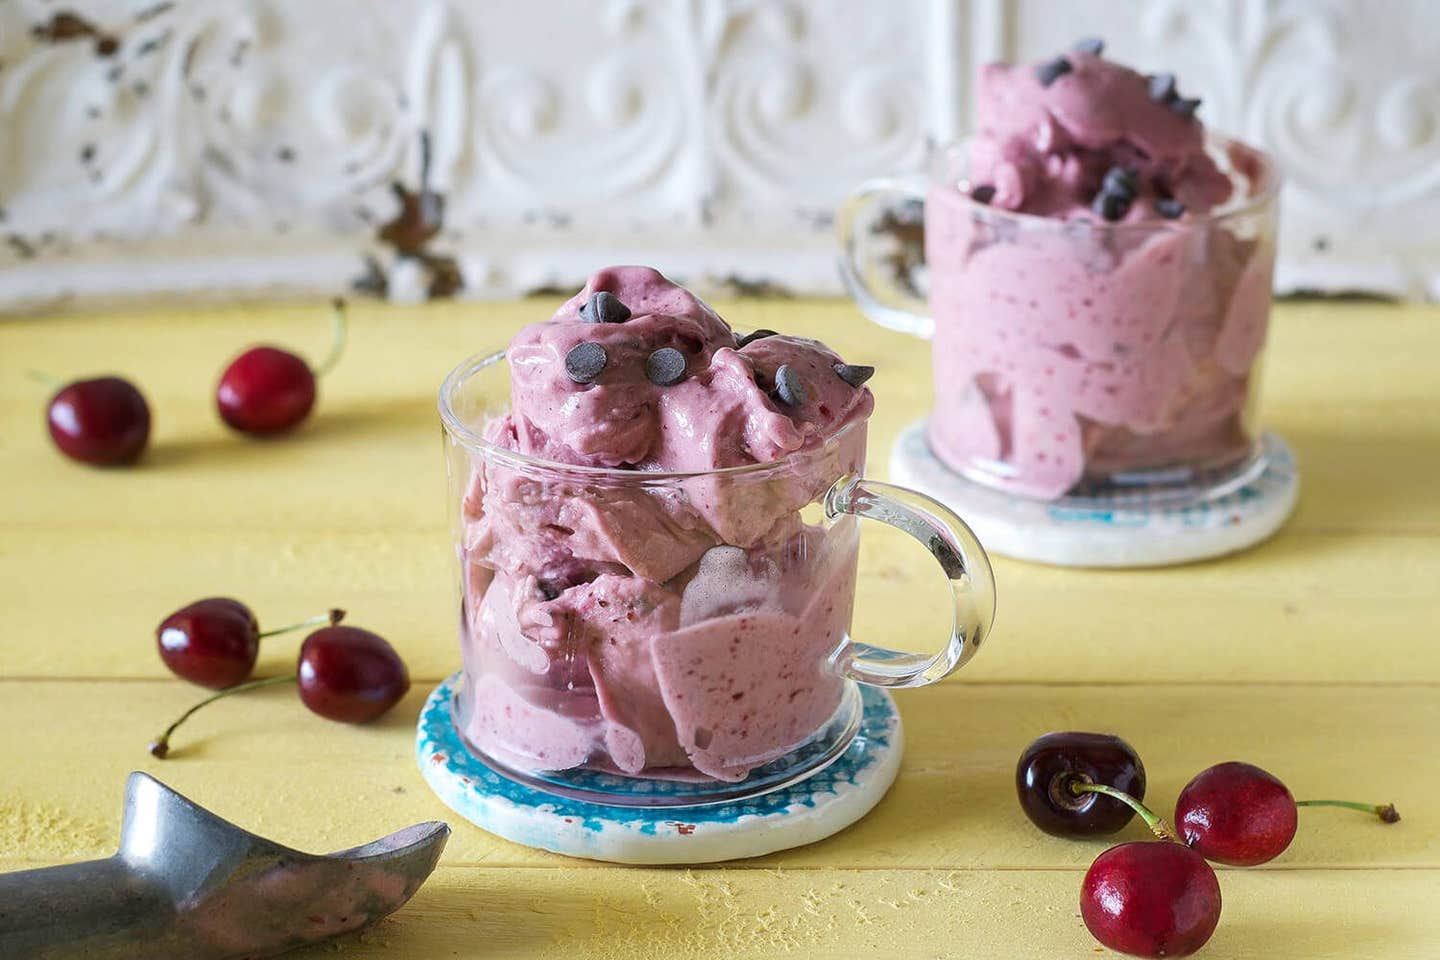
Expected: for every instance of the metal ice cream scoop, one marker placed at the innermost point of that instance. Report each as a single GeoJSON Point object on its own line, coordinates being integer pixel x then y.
{"type": "Point", "coordinates": [186, 885]}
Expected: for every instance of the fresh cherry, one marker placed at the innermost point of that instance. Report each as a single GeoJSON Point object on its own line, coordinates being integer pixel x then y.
{"type": "Point", "coordinates": [1238, 814]}
{"type": "Point", "coordinates": [350, 675]}
{"type": "Point", "coordinates": [214, 642]}
{"type": "Point", "coordinates": [1052, 763]}
{"type": "Point", "coordinates": [1151, 899]}
{"type": "Point", "coordinates": [267, 390]}
{"type": "Point", "coordinates": [104, 422]}
{"type": "Point", "coordinates": [344, 674]}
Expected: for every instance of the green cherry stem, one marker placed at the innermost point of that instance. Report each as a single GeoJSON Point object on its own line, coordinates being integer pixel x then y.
{"type": "Point", "coordinates": [1385, 811]}
{"type": "Point", "coordinates": [330, 618]}
{"type": "Point", "coordinates": [44, 378]}
{"type": "Point", "coordinates": [1157, 825]}
{"type": "Point", "coordinates": [160, 746]}
{"type": "Point", "coordinates": [339, 330]}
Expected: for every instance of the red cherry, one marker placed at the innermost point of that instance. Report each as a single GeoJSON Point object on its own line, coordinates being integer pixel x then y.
{"type": "Point", "coordinates": [1151, 899]}
{"type": "Point", "coordinates": [267, 390]}
{"type": "Point", "coordinates": [214, 642]}
{"type": "Point", "coordinates": [105, 421]}
{"type": "Point", "coordinates": [1236, 813]}
{"type": "Point", "coordinates": [350, 675]}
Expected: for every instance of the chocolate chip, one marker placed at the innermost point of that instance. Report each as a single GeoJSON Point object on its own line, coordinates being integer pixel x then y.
{"type": "Point", "coordinates": [1122, 181]}
{"type": "Point", "coordinates": [547, 590]}
{"type": "Point", "coordinates": [1162, 87]}
{"type": "Point", "coordinates": [1186, 107]}
{"type": "Point", "coordinates": [665, 367]}
{"type": "Point", "coordinates": [604, 307]}
{"type": "Point", "coordinates": [853, 374]}
{"type": "Point", "coordinates": [1091, 45]}
{"type": "Point", "coordinates": [788, 388]}
{"type": "Point", "coordinates": [1052, 70]}
{"type": "Point", "coordinates": [1111, 206]}
{"type": "Point", "coordinates": [1169, 208]}
{"type": "Point", "coordinates": [585, 361]}
{"type": "Point", "coordinates": [754, 335]}
{"type": "Point", "coordinates": [983, 193]}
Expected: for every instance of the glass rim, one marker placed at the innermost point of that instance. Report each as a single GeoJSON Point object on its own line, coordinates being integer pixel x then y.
{"type": "Point", "coordinates": [1270, 181]}
{"type": "Point", "coordinates": [461, 431]}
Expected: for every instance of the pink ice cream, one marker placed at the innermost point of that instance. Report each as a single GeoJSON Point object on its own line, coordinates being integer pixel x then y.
{"type": "Point", "coordinates": [658, 625]}
{"type": "Point", "coordinates": [1113, 330]}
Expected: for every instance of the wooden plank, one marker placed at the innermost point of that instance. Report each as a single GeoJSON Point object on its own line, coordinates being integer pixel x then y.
{"type": "Point", "coordinates": [85, 603]}
{"type": "Point", "coordinates": [267, 764]}
{"type": "Point", "coordinates": [1363, 421]}
{"type": "Point", "coordinates": [637, 914]}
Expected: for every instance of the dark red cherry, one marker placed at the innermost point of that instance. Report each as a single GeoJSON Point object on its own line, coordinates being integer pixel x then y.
{"type": "Point", "coordinates": [265, 390]}
{"type": "Point", "coordinates": [1049, 766]}
{"type": "Point", "coordinates": [212, 642]}
{"type": "Point", "coordinates": [1151, 899]}
{"type": "Point", "coordinates": [104, 422]}
{"type": "Point", "coordinates": [350, 675]}
{"type": "Point", "coordinates": [1236, 813]}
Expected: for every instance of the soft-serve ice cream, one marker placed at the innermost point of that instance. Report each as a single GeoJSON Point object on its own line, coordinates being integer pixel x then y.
{"type": "Point", "coordinates": [1100, 280]}
{"type": "Point", "coordinates": [642, 594]}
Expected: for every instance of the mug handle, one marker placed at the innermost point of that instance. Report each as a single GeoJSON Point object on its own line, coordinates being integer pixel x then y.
{"type": "Point", "coordinates": [960, 555]}
{"type": "Point", "coordinates": [878, 296]}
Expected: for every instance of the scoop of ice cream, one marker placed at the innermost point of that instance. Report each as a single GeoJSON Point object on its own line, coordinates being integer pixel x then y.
{"type": "Point", "coordinates": [1048, 147]}
{"type": "Point", "coordinates": [677, 623]}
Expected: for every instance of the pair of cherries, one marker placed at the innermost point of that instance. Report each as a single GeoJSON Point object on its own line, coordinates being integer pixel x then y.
{"type": "Point", "coordinates": [105, 421]}
{"type": "Point", "coordinates": [343, 673]}
{"type": "Point", "coordinates": [1157, 899]}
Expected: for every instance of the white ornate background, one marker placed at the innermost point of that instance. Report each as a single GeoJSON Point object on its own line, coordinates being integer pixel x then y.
{"type": "Point", "coordinates": [216, 147]}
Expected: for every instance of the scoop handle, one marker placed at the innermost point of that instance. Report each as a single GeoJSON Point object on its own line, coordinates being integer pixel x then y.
{"type": "Point", "coordinates": [874, 288]}
{"type": "Point", "coordinates": [94, 909]}
{"type": "Point", "coordinates": [959, 554]}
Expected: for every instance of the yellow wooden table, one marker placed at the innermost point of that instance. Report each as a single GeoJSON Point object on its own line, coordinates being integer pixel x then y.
{"type": "Point", "coordinates": [1313, 655]}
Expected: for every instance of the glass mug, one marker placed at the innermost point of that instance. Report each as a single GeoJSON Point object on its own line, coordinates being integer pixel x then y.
{"type": "Point", "coordinates": [637, 638]}
{"type": "Point", "coordinates": [1083, 359]}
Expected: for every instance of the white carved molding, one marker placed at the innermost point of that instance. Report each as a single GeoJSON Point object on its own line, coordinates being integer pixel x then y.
{"type": "Point", "coordinates": [215, 148]}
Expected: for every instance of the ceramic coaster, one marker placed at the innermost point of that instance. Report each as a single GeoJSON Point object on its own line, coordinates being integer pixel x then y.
{"type": "Point", "coordinates": [1119, 532]}
{"type": "Point", "coordinates": [827, 802]}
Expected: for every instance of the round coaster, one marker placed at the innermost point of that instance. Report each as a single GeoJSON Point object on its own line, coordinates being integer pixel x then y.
{"type": "Point", "coordinates": [1128, 532]}
{"type": "Point", "coordinates": [825, 803]}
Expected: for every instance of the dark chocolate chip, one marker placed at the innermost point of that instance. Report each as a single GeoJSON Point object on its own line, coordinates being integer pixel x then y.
{"type": "Point", "coordinates": [547, 590]}
{"type": "Point", "coordinates": [1121, 180]}
{"type": "Point", "coordinates": [853, 374]}
{"type": "Point", "coordinates": [788, 387]}
{"type": "Point", "coordinates": [1185, 106]}
{"type": "Point", "coordinates": [604, 307]}
{"type": "Point", "coordinates": [1162, 87]}
{"type": "Point", "coordinates": [1052, 70]}
{"type": "Point", "coordinates": [983, 193]}
{"type": "Point", "coordinates": [1111, 206]}
{"type": "Point", "coordinates": [1169, 208]}
{"type": "Point", "coordinates": [1091, 45]}
{"type": "Point", "coordinates": [585, 361]}
{"type": "Point", "coordinates": [665, 367]}
{"type": "Point", "coordinates": [754, 335]}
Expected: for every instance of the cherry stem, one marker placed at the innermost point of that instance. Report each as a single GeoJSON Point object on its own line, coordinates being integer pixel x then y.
{"type": "Point", "coordinates": [1157, 825]}
{"type": "Point", "coordinates": [45, 378]}
{"type": "Point", "coordinates": [1385, 811]}
{"type": "Point", "coordinates": [160, 746]}
{"type": "Point", "coordinates": [339, 328]}
{"type": "Point", "coordinates": [331, 618]}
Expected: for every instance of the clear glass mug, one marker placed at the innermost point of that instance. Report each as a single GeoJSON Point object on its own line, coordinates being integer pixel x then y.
{"type": "Point", "coordinates": [1078, 359]}
{"type": "Point", "coordinates": [674, 638]}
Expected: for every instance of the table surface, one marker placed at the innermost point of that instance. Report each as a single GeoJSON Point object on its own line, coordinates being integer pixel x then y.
{"type": "Point", "coordinates": [1312, 655]}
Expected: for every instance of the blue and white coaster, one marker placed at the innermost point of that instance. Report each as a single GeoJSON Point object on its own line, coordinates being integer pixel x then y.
{"type": "Point", "coordinates": [824, 804]}
{"type": "Point", "coordinates": [1128, 531]}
